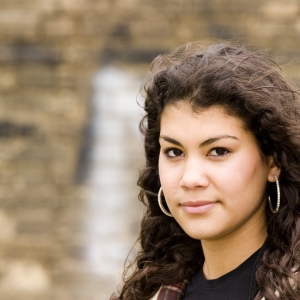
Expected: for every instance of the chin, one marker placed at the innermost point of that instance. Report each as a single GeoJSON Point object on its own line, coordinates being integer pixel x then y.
{"type": "Point", "coordinates": [203, 235]}
{"type": "Point", "coordinates": [200, 236]}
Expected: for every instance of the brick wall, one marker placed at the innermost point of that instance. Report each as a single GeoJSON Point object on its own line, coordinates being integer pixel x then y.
{"type": "Point", "coordinates": [49, 50]}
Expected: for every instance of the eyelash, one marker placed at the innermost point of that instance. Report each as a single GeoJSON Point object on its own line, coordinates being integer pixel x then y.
{"type": "Point", "coordinates": [220, 148]}
{"type": "Point", "coordinates": [167, 150]}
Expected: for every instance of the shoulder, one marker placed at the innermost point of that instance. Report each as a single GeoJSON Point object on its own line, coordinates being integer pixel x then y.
{"type": "Point", "coordinates": [172, 292]}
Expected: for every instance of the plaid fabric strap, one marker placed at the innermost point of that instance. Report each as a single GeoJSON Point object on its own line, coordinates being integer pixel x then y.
{"type": "Point", "coordinates": [173, 292]}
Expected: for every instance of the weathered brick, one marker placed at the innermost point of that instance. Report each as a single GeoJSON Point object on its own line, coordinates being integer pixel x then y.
{"type": "Point", "coordinates": [49, 51]}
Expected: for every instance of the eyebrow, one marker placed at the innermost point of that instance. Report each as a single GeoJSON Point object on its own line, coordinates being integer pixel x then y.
{"type": "Point", "coordinates": [205, 143]}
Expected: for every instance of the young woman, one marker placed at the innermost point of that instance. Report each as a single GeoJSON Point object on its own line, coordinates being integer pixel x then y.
{"type": "Point", "coordinates": [221, 182]}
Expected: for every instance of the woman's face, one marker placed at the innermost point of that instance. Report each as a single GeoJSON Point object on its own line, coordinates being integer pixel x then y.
{"type": "Point", "coordinates": [212, 172]}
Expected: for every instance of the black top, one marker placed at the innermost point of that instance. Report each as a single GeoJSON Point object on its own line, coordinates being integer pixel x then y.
{"type": "Point", "coordinates": [238, 284]}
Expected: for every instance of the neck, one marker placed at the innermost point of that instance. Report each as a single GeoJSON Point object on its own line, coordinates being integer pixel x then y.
{"type": "Point", "coordinates": [227, 253]}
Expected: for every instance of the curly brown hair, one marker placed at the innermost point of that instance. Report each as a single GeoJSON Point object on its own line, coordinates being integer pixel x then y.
{"type": "Point", "coordinates": [248, 85]}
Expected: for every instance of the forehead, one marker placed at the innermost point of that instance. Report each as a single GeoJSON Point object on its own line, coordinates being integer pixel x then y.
{"type": "Point", "coordinates": [181, 120]}
{"type": "Point", "coordinates": [184, 108]}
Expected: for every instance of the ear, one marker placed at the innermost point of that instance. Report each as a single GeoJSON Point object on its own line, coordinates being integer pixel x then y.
{"type": "Point", "coordinates": [273, 169]}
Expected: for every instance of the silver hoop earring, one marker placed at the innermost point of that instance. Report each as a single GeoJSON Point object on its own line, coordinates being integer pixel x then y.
{"type": "Point", "coordinates": [275, 210]}
{"type": "Point", "coordinates": [160, 203]}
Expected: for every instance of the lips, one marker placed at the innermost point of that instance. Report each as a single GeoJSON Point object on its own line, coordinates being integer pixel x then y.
{"type": "Point", "coordinates": [197, 207]}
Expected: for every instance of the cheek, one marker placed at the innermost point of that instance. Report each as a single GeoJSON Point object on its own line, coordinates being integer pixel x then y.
{"type": "Point", "coordinates": [245, 177]}
{"type": "Point", "coordinates": [169, 176]}
{"type": "Point", "coordinates": [253, 170]}
{"type": "Point", "coordinates": [162, 170]}
{"type": "Point", "coordinates": [160, 165]}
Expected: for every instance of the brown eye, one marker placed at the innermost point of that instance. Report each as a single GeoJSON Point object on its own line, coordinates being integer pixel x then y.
{"type": "Point", "coordinates": [218, 152]}
{"type": "Point", "coordinates": [173, 152]}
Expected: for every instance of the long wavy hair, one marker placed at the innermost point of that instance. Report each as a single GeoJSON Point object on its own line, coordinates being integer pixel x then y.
{"type": "Point", "coordinates": [248, 85]}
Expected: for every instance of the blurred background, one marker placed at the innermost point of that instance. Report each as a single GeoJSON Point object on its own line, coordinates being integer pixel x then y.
{"type": "Point", "coordinates": [70, 149]}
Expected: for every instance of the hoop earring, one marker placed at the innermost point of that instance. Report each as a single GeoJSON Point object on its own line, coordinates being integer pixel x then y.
{"type": "Point", "coordinates": [275, 210]}
{"type": "Point", "coordinates": [160, 203]}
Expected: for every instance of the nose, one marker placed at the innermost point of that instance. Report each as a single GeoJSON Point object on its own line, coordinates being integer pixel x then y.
{"type": "Point", "coordinates": [194, 175]}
